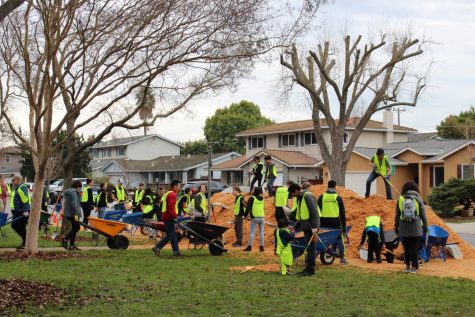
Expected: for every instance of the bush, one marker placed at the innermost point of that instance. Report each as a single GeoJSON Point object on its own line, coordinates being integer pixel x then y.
{"type": "Point", "coordinates": [456, 191]}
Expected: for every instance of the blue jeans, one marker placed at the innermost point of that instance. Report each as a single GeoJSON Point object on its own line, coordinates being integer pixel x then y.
{"type": "Point", "coordinates": [310, 257]}
{"type": "Point", "coordinates": [372, 176]}
{"type": "Point", "coordinates": [102, 212]}
{"type": "Point", "coordinates": [170, 236]}
{"type": "Point", "coordinates": [270, 186]}
{"type": "Point", "coordinates": [256, 222]}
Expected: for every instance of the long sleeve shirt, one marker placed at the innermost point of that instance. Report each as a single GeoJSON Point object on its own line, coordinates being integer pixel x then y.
{"type": "Point", "coordinates": [170, 213]}
{"type": "Point", "coordinates": [338, 222]}
{"type": "Point", "coordinates": [381, 235]}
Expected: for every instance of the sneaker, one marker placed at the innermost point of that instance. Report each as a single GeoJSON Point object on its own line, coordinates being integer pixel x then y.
{"type": "Point", "coordinates": [308, 273]}
{"type": "Point", "coordinates": [64, 243]}
{"type": "Point", "coordinates": [248, 248]}
{"type": "Point", "coordinates": [178, 253]}
{"type": "Point", "coordinates": [407, 269]}
{"type": "Point", "coordinates": [379, 261]}
{"type": "Point", "coordinates": [156, 251]}
{"type": "Point", "coordinates": [343, 262]}
{"type": "Point", "coordinates": [413, 270]}
{"type": "Point", "coordinates": [73, 248]}
{"type": "Point", "coordinates": [261, 248]}
{"type": "Point", "coordinates": [369, 261]}
{"type": "Point", "coordinates": [237, 244]}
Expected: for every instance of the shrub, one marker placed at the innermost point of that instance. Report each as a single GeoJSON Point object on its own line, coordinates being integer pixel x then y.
{"type": "Point", "coordinates": [456, 191]}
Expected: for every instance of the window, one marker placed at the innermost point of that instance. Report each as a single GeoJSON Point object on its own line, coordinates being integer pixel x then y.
{"type": "Point", "coordinates": [106, 152]}
{"type": "Point", "coordinates": [288, 140]}
{"type": "Point", "coordinates": [438, 176]}
{"type": "Point", "coordinates": [467, 171]}
{"type": "Point", "coordinates": [345, 138]}
{"type": "Point", "coordinates": [121, 151]}
{"type": "Point", "coordinates": [95, 153]}
{"type": "Point", "coordinates": [7, 158]}
{"type": "Point", "coordinates": [257, 143]}
{"type": "Point", "coordinates": [309, 138]}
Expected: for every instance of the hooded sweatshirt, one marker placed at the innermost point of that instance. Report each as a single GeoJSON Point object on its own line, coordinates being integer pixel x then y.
{"type": "Point", "coordinates": [72, 203]}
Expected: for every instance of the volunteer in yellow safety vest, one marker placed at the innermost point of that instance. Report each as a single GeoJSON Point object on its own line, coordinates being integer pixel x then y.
{"type": "Point", "coordinates": [271, 175]}
{"type": "Point", "coordinates": [282, 238]}
{"type": "Point", "coordinates": [333, 215]}
{"type": "Point", "coordinates": [381, 168]}
{"type": "Point", "coordinates": [281, 201]}
{"type": "Point", "coordinates": [138, 198]}
{"type": "Point", "coordinates": [374, 230]}
{"type": "Point", "coordinates": [257, 173]}
{"type": "Point", "coordinates": [239, 210]}
{"type": "Point", "coordinates": [147, 204]}
{"type": "Point", "coordinates": [201, 204]}
{"type": "Point", "coordinates": [119, 195]}
{"type": "Point", "coordinates": [308, 220]}
{"type": "Point", "coordinates": [184, 203]}
{"type": "Point", "coordinates": [255, 208]}
{"type": "Point", "coordinates": [87, 200]}
{"type": "Point", "coordinates": [20, 207]}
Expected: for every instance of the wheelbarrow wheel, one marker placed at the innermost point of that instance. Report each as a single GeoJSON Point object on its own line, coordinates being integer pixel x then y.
{"type": "Point", "coordinates": [111, 243]}
{"type": "Point", "coordinates": [214, 250]}
{"type": "Point", "coordinates": [121, 242]}
{"type": "Point", "coordinates": [326, 258]}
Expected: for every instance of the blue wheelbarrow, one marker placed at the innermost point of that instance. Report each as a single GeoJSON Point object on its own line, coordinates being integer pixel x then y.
{"type": "Point", "coordinates": [326, 246]}
{"type": "Point", "coordinates": [435, 242]}
{"type": "Point", "coordinates": [4, 221]}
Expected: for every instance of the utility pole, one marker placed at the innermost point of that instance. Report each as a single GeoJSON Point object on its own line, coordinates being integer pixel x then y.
{"type": "Point", "coordinates": [399, 110]}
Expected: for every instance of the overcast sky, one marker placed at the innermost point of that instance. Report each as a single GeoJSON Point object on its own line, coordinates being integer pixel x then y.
{"type": "Point", "coordinates": [447, 22]}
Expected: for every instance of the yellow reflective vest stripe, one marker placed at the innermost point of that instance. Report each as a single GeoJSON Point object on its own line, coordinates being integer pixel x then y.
{"type": "Point", "coordinates": [381, 168]}
{"type": "Point", "coordinates": [237, 205]}
{"type": "Point", "coordinates": [164, 203]}
{"type": "Point", "coordinates": [120, 193]}
{"type": "Point", "coordinates": [373, 221]}
{"type": "Point", "coordinates": [330, 208]}
{"type": "Point", "coordinates": [138, 196]}
{"type": "Point", "coordinates": [281, 197]}
{"type": "Point", "coordinates": [303, 213]}
{"type": "Point", "coordinates": [271, 170]}
{"type": "Point", "coordinates": [204, 203]}
{"type": "Point", "coordinates": [149, 207]}
{"type": "Point", "coordinates": [257, 207]}
{"type": "Point", "coordinates": [284, 252]}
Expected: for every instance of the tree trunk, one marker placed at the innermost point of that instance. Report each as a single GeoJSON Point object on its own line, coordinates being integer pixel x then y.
{"type": "Point", "coordinates": [31, 246]}
{"type": "Point", "coordinates": [68, 173]}
{"type": "Point", "coordinates": [145, 130]}
{"type": "Point", "coordinates": [8, 7]}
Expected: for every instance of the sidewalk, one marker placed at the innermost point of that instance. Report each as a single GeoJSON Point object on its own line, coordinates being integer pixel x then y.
{"type": "Point", "coordinates": [465, 230]}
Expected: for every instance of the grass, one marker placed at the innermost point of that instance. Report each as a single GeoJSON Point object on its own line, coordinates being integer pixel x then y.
{"type": "Point", "coordinates": [136, 282]}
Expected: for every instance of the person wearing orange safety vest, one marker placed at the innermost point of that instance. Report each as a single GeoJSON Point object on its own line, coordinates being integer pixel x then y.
{"type": "Point", "coordinates": [381, 168]}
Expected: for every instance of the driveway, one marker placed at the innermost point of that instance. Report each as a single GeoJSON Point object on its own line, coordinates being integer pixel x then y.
{"type": "Point", "coordinates": [464, 230]}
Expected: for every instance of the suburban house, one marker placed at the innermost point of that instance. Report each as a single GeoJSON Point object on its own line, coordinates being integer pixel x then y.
{"type": "Point", "coordinates": [10, 161]}
{"type": "Point", "coordinates": [295, 152]}
{"type": "Point", "coordinates": [145, 147]}
{"type": "Point", "coordinates": [429, 163]}
{"type": "Point", "coordinates": [162, 170]}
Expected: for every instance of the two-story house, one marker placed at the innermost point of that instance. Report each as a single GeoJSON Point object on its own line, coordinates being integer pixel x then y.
{"type": "Point", "coordinates": [145, 147]}
{"type": "Point", "coordinates": [295, 152]}
{"type": "Point", "coordinates": [10, 161]}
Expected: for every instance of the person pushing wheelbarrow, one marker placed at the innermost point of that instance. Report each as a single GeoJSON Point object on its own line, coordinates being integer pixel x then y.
{"type": "Point", "coordinates": [381, 167]}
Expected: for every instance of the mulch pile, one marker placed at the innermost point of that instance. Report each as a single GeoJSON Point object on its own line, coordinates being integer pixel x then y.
{"type": "Point", "coordinates": [357, 209]}
{"type": "Point", "coordinates": [46, 256]}
{"type": "Point", "coordinates": [16, 294]}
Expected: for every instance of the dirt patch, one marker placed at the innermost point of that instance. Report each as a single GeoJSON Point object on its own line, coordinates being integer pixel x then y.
{"type": "Point", "coordinates": [357, 209]}
{"type": "Point", "coordinates": [46, 256]}
{"type": "Point", "coordinates": [260, 268]}
{"type": "Point", "coordinates": [17, 294]}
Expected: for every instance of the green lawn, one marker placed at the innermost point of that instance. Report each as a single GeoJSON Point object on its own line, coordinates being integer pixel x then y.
{"type": "Point", "coordinates": [138, 283]}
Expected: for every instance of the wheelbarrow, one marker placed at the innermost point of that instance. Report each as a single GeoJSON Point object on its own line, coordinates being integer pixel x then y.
{"type": "Point", "coordinates": [201, 233]}
{"type": "Point", "coordinates": [160, 227]}
{"type": "Point", "coordinates": [115, 215]}
{"type": "Point", "coordinates": [109, 229]}
{"type": "Point", "coordinates": [435, 243]}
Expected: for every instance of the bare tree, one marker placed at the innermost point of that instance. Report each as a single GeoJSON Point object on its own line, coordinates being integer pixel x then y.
{"type": "Point", "coordinates": [146, 99]}
{"type": "Point", "coordinates": [378, 75]}
{"type": "Point", "coordinates": [8, 7]}
{"type": "Point", "coordinates": [73, 63]}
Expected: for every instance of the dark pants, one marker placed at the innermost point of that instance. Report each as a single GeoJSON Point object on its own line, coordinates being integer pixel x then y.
{"type": "Point", "coordinates": [137, 208]}
{"type": "Point", "coordinates": [411, 245]}
{"type": "Point", "coordinates": [86, 210]}
{"type": "Point", "coordinates": [270, 186]}
{"type": "Point", "coordinates": [280, 214]}
{"type": "Point", "coordinates": [238, 228]}
{"type": "Point", "coordinates": [71, 236]}
{"type": "Point", "coordinates": [372, 176]}
{"type": "Point", "coordinates": [257, 179]}
{"type": "Point", "coordinates": [170, 236]}
{"type": "Point", "coordinates": [20, 225]}
{"type": "Point", "coordinates": [310, 257]}
{"type": "Point", "coordinates": [374, 246]}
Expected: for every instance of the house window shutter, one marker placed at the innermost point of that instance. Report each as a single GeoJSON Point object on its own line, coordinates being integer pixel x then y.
{"type": "Point", "coordinates": [459, 171]}
{"type": "Point", "coordinates": [431, 176]}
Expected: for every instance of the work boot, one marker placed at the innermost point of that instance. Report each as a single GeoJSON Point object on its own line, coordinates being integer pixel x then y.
{"type": "Point", "coordinates": [248, 248]}
{"type": "Point", "coordinates": [379, 261]}
{"type": "Point", "coordinates": [237, 244]}
{"type": "Point", "coordinates": [261, 248]}
{"type": "Point", "coordinates": [308, 273]}
{"type": "Point", "coordinates": [74, 248]}
{"type": "Point", "coordinates": [413, 270]}
{"type": "Point", "coordinates": [156, 251]}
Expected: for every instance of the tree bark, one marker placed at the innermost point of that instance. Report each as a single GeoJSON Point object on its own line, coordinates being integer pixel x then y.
{"type": "Point", "coordinates": [8, 7]}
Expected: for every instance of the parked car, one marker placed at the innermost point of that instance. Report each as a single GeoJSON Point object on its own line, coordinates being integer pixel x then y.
{"type": "Point", "coordinates": [57, 185]}
{"type": "Point", "coordinates": [216, 187]}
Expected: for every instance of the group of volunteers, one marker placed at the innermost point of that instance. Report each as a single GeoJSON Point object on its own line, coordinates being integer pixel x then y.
{"type": "Point", "coordinates": [308, 214]}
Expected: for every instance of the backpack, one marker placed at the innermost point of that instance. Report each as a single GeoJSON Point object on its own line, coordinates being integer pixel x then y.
{"type": "Point", "coordinates": [409, 210]}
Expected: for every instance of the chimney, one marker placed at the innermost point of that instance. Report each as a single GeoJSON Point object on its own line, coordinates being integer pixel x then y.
{"type": "Point", "coordinates": [388, 124]}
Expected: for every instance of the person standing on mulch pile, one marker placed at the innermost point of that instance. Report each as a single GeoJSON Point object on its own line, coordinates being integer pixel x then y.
{"type": "Point", "coordinates": [72, 212]}
{"type": "Point", "coordinates": [410, 224]}
{"type": "Point", "coordinates": [308, 220]}
{"type": "Point", "coordinates": [239, 211]}
{"type": "Point", "coordinates": [381, 168]}
{"type": "Point", "coordinates": [333, 215]}
{"type": "Point", "coordinates": [20, 208]}
{"type": "Point", "coordinates": [270, 175]}
{"type": "Point", "coordinates": [169, 217]}
{"type": "Point", "coordinates": [257, 173]}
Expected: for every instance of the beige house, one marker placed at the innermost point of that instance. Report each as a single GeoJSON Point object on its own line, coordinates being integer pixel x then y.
{"type": "Point", "coordinates": [10, 161]}
{"type": "Point", "coordinates": [295, 151]}
{"type": "Point", "coordinates": [429, 163]}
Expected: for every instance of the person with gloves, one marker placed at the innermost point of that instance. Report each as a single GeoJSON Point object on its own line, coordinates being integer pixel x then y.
{"type": "Point", "coordinates": [72, 211]}
{"type": "Point", "coordinates": [20, 207]}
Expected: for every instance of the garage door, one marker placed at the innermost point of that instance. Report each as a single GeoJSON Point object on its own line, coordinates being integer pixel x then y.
{"type": "Point", "coordinates": [356, 181]}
